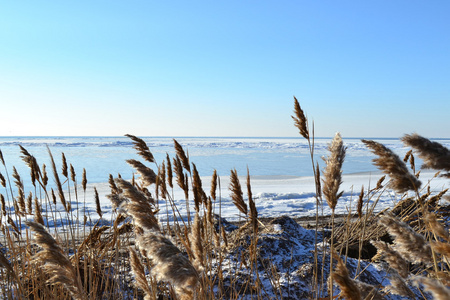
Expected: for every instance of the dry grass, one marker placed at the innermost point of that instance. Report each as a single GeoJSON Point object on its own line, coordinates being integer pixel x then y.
{"type": "Point", "coordinates": [136, 257]}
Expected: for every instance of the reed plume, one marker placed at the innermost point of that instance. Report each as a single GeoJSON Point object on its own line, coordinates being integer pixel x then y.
{"type": "Point", "coordinates": [434, 155]}
{"type": "Point", "coordinates": [437, 289]}
{"type": "Point", "coordinates": [58, 181]}
{"type": "Point", "coordinates": [44, 175]}
{"type": "Point", "coordinates": [97, 203]}
{"type": "Point", "coordinates": [170, 264]}
{"type": "Point", "coordinates": [84, 180]}
{"type": "Point", "coordinates": [2, 180]}
{"type": "Point", "coordinates": [317, 182]}
{"type": "Point", "coordinates": [142, 148]}
{"type": "Point", "coordinates": [392, 257]}
{"type": "Point", "coordinates": [31, 162]}
{"type": "Point", "coordinates": [161, 181]}
{"type": "Point", "coordinates": [300, 120]}
{"type": "Point", "coordinates": [440, 247]}
{"type": "Point", "coordinates": [398, 286]}
{"type": "Point", "coordinates": [38, 212]}
{"type": "Point", "coordinates": [20, 190]}
{"type": "Point", "coordinates": [199, 194]}
{"type": "Point", "coordinates": [53, 196]}
{"type": "Point", "coordinates": [139, 206]}
{"type": "Point", "coordinates": [389, 162]}
{"type": "Point", "coordinates": [236, 193]}
{"type": "Point", "coordinates": [113, 186]}
{"type": "Point", "coordinates": [182, 155]}
{"type": "Point", "coordinates": [2, 201]}
{"type": "Point", "coordinates": [196, 240]}
{"type": "Point", "coordinates": [55, 262]}
{"type": "Point", "coordinates": [359, 206]}
{"type": "Point", "coordinates": [348, 286]}
{"type": "Point", "coordinates": [139, 273]}
{"type": "Point", "coordinates": [72, 173]}
{"type": "Point", "coordinates": [64, 166]}
{"type": "Point", "coordinates": [148, 176]}
{"type": "Point", "coordinates": [411, 245]}
{"type": "Point", "coordinates": [333, 171]}
{"type": "Point", "coordinates": [435, 226]}
{"type": "Point", "coordinates": [169, 171]}
{"type": "Point", "coordinates": [30, 203]}
{"type": "Point", "coordinates": [181, 181]}
{"type": "Point", "coordinates": [214, 185]}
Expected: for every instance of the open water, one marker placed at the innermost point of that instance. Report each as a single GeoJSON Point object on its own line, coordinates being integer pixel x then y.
{"type": "Point", "coordinates": [101, 156]}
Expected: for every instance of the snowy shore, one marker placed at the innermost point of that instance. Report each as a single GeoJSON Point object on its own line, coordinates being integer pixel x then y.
{"type": "Point", "coordinates": [280, 195]}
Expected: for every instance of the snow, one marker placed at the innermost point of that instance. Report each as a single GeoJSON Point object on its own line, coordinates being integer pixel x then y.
{"type": "Point", "coordinates": [280, 170]}
{"type": "Point", "coordinates": [276, 196]}
{"type": "Point", "coordinates": [281, 183]}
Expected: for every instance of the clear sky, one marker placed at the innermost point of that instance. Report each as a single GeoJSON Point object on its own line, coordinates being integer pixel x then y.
{"type": "Point", "coordinates": [224, 68]}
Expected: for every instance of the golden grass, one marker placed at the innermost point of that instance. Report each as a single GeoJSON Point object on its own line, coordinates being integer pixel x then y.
{"type": "Point", "coordinates": [136, 257]}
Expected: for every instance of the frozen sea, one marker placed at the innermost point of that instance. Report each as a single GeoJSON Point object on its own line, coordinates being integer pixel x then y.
{"type": "Point", "coordinates": [280, 168]}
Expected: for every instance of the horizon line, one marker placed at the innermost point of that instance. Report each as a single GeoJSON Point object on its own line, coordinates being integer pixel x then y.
{"type": "Point", "coordinates": [199, 136]}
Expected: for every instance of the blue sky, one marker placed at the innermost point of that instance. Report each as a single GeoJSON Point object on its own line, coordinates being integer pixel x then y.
{"type": "Point", "coordinates": [224, 68]}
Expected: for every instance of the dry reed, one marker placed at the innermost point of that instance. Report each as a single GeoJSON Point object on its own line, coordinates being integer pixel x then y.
{"type": "Point", "coordinates": [333, 171]}
{"type": "Point", "coordinates": [408, 243]}
{"type": "Point", "coordinates": [202, 272]}
{"type": "Point", "coordinates": [169, 172]}
{"type": "Point", "coordinates": [437, 289]}
{"type": "Point", "coordinates": [98, 207]}
{"type": "Point", "coordinates": [84, 180]}
{"type": "Point", "coordinates": [348, 286]}
{"type": "Point", "coordinates": [2, 180]}
{"type": "Point", "coordinates": [148, 176]}
{"type": "Point", "coordinates": [398, 286]}
{"type": "Point", "coordinates": [182, 155]}
{"type": "Point", "coordinates": [170, 264]}
{"type": "Point", "coordinates": [300, 120]}
{"type": "Point", "coordinates": [139, 272]}
{"type": "Point", "coordinates": [236, 193]}
{"type": "Point", "coordinates": [142, 148]}
{"type": "Point", "coordinates": [196, 240]}
{"type": "Point", "coordinates": [213, 185]}
{"type": "Point", "coordinates": [392, 257]}
{"type": "Point", "coordinates": [138, 206]}
{"type": "Point", "coordinates": [389, 162]}
{"type": "Point", "coordinates": [55, 262]}
{"type": "Point", "coordinates": [434, 155]}
{"type": "Point", "coordinates": [58, 181]}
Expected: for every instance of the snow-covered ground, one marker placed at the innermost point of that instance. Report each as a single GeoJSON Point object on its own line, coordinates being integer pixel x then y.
{"type": "Point", "coordinates": [281, 183]}
{"type": "Point", "coordinates": [280, 169]}
{"type": "Point", "coordinates": [281, 195]}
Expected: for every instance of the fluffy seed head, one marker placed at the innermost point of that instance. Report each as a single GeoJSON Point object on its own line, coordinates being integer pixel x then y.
{"type": "Point", "coordinates": [141, 147]}
{"type": "Point", "coordinates": [236, 193]}
{"type": "Point", "coordinates": [333, 171]}
{"type": "Point", "coordinates": [433, 154]}
{"type": "Point", "coordinates": [300, 120]}
{"type": "Point", "coordinates": [148, 176]}
{"type": "Point", "coordinates": [389, 162]}
{"type": "Point", "coordinates": [411, 245]}
{"type": "Point", "coordinates": [170, 264]}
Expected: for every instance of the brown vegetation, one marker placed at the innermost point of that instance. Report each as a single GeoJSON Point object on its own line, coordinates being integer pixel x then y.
{"type": "Point", "coordinates": [203, 257]}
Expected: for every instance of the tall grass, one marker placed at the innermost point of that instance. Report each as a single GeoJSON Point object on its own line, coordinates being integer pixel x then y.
{"type": "Point", "coordinates": [50, 252]}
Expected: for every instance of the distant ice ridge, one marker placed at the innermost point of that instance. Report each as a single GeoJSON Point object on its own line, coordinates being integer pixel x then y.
{"type": "Point", "coordinates": [195, 142]}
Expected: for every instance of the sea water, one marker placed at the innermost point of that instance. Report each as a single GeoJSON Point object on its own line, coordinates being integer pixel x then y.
{"type": "Point", "coordinates": [280, 168]}
{"type": "Point", "coordinates": [271, 156]}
